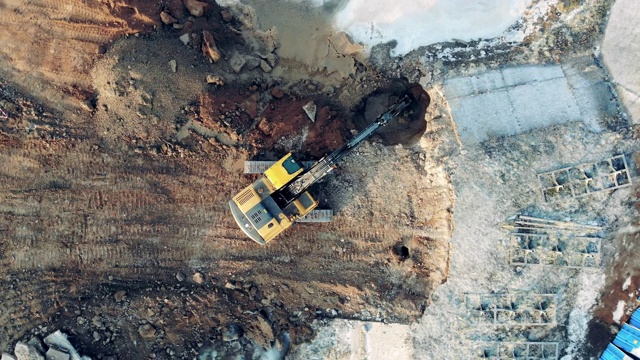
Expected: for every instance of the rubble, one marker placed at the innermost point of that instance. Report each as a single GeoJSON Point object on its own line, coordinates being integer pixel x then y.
{"type": "Point", "coordinates": [310, 109]}
{"type": "Point", "coordinates": [227, 16]}
{"type": "Point", "coordinates": [196, 8]}
{"type": "Point", "coordinates": [215, 80]}
{"type": "Point", "coordinates": [185, 39]}
{"type": "Point", "coordinates": [209, 47]}
{"type": "Point", "coordinates": [198, 278]}
{"type": "Point", "coordinates": [167, 19]}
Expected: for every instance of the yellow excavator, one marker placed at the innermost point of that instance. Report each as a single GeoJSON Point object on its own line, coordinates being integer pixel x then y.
{"type": "Point", "coordinates": [273, 202]}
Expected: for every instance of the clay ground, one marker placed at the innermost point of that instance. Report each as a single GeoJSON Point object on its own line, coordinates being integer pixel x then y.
{"type": "Point", "coordinates": [116, 173]}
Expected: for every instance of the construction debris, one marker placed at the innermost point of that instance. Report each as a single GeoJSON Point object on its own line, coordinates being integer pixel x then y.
{"type": "Point", "coordinates": [196, 8]}
{"type": "Point", "coordinates": [209, 47]}
{"type": "Point", "coordinates": [310, 109]}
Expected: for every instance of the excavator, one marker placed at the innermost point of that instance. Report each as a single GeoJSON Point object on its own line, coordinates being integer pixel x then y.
{"type": "Point", "coordinates": [273, 202]}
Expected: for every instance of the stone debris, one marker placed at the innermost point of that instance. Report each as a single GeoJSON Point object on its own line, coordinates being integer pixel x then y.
{"type": "Point", "coordinates": [272, 59]}
{"type": "Point", "coordinates": [251, 62]}
{"type": "Point", "coordinates": [237, 62]}
{"type": "Point", "coordinates": [173, 65]}
{"type": "Point", "coordinates": [277, 93]}
{"type": "Point", "coordinates": [196, 8]}
{"type": "Point", "coordinates": [55, 354]}
{"type": "Point", "coordinates": [310, 109]}
{"type": "Point", "coordinates": [215, 80]}
{"type": "Point", "coordinates": [180, 276]}
{"type": "Point", "coordinates": [186, 40]}
{"type": "Point", "coordinates": [232, 332]}
{"type": "Point", "coordinates": [119, 296]}
{"type": "Point", "coordinates": [147, 331]}
{"type": "Point", "coordinates": [209, 47]}
{"type": "Point", "coordinates": [26, 352]}
{"type": "Point", "coordinates": [198, 278]}
{"type": "Point", "coordinates": [58, 340]}
{"type": "Point", "coordinates": [265, 66]}
{"type": "Point", "coordinates": [59, 348]}
{"type": "Point", "coordinates": [167, 19]}
{"type": "Point", "coordinates": [226, 15]}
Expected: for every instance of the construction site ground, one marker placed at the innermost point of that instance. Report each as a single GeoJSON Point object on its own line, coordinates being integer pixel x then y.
{"type": "Point", "coordinates": [498, 222]}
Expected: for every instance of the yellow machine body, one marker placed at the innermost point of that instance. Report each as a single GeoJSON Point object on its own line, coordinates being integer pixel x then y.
{"type": "Point", "coordinates": [258, 214]}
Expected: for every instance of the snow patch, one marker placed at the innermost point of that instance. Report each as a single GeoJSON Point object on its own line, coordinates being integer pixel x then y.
{"type": "Point", "coordinates": [618, 312]}
{"type": "Point", "coordinates": [415, 23]}
{"type": "Point", "coordinates": [626, 284]}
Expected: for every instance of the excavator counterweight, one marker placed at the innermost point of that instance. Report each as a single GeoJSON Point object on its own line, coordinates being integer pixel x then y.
{"type": "Point", "coordinates": [273, 202]}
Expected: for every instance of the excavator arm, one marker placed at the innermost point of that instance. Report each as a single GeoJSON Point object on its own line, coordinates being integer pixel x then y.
{"type": "Point", "coordinates": [324, 166]}
{"type": "Point", "coordinates": [273, 202]}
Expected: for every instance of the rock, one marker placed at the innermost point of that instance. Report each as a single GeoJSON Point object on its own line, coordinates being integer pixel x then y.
{"type": "Point", "coordinates": [26, 352]}
{"type": "Point", "coordinates": [215, 80]}
{"type": "Point", "coordinates": [36, 343]}
{"type": "Point", "coordinates": [173, 65]}
{"type": "Point", "coordinates": [232, 332]}
{"type": "Point", "coordinates": [96, 336]}
{"type": "Point", "coordinates": [265, 66]}
{"type": "Point", "coordinates": [58, 340]}
{"type": "Point", "coordinates": [227, 16]}
{"type": "Point", "coordinates": [180, 276]}
{"type": "Point", "coordinates": [55, 354]}
{"type": "Point", "coordinates": [80, 320]}
{"type": "Point", "coordinates": [147, 331]}
{"type": "Point", "coordinates": [277, 93]}
{"type": "Point", "coordinates": [186, 40]}
{"type": "Point", "coordinates": [119, 295]}
{"type": "Point", "coordinates": [272, 59]}
{"type": "Point", "coordinates": [6, 356]}
{"type": "Point", "coordinates": [196, 8]}
{"type": "Point", "coordinates": [167, 19]}
{"type": "Point", "coordinates": [310, 109]}
{"type": "Point", "coordinates": [198, 278]}
{"type": "Point", "coordinates": [97, 322]}
{"type": "Point", "coordinates": [251, 62]}
{"type": "Point", "coordinates": [209, 47]}
{"type": "Point", "coordinates": [236, 62]}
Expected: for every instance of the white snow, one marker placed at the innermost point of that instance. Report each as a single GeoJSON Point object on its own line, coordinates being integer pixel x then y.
{"type": "Point", "coordinates": [618, 312]}
{"type": "Point", "coordinates": [415, 23]}
{"type": "Point", "coordinates": [626, 284]}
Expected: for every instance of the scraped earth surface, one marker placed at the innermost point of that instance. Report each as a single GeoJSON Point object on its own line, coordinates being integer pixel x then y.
{"type": "Point", "coordinates": [116, 171]}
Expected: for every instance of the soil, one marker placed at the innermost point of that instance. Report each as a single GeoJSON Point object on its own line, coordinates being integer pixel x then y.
{"type": "Point", "coordinates": [118, 160]}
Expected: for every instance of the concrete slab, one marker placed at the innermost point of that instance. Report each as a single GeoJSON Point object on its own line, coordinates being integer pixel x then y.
{"type": "Point", "coordinates": [621, 51]}
{"type": "Point", "coordinates": [514, 100]}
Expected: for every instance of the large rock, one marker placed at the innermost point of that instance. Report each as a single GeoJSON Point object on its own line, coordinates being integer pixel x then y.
{"type": "Point", "coordinates": [27, 352]}
{"type": "Point", "coordinates": [620, 50]}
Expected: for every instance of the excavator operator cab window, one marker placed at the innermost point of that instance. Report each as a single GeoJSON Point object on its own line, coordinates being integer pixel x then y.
{"type": "Point", "coordinates": [291, 165]}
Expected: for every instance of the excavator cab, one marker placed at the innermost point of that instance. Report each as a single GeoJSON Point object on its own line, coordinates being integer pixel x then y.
{"type": "Point", "coordinates": [256, 211]}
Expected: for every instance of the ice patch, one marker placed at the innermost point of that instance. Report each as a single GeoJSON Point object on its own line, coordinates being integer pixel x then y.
{"type": "Point", "coordinates": [617, 314]}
